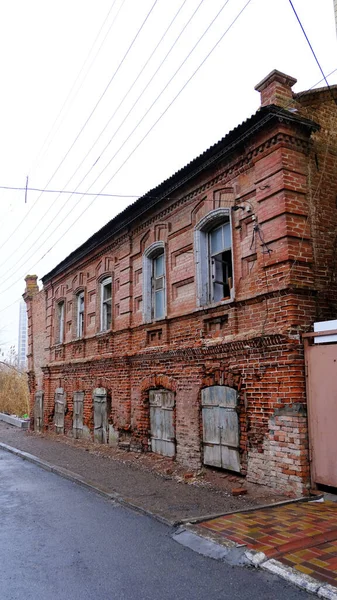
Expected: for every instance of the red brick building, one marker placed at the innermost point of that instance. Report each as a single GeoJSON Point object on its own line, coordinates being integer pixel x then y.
{"type": "Point", "coordinates": [177, 327]}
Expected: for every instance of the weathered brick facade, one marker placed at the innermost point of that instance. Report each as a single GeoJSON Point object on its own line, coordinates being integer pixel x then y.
{"type": "Point", "coordinates": [278, 169]}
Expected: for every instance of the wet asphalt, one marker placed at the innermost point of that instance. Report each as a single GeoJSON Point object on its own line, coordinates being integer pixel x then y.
{"type": "Point", "coordinates": [59, 541]}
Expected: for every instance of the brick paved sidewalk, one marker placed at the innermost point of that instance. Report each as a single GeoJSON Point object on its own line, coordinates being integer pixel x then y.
{"type": "Point", "coordinates": [152, 483]}
{"type": "Point", "coordinates": [302, 535]}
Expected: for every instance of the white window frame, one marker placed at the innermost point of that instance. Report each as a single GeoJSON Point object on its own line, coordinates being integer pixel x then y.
{"type": "Point", "coordinates": [80, 316]}
{"type": "Point", "coordinates": [60, 322]}
{"type": "Point", "coordinates": [202, 255]}
{"type": "Point", "coordinates": [104, 303]}
{"type": "Point", "coordinates": [152, 252]}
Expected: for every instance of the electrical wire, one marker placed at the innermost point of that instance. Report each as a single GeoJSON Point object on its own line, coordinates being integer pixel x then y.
{"type": "Point", "coordinates": [106, 237]}
{"type": "Point", "coordinates": [77, 79]}
{"type": "Point", "coordinates": [79, 166]}
{"type": "Point", "coordinates": [313, 52]}
{"type": "Point", "coordinates": [73, 208]}
{"type": "Point", "coordinates": [86, 193]}
{"type": "Point", "coordinates": [92, 112]}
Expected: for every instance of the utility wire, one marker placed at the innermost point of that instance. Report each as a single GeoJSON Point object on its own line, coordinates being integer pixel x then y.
{"type": "Point", "coordinates": [155, 123]}
{"type": "Point", "coordinates": [73, 207]}
{"type": "Point", "coordinates": [92, 112]}
{"type": "Point", "coordinates": [78, 77]}
{"type": "Point", "coordinates": [313, 52]}
{"type": "Point", "coordinates": [93, 165]}
{"type": "Point", "coordinates": [86, 193]}
{"type": "Point", "coordinates": [159, 197]}
{"type": "Point", "coordinates": [196, 70]}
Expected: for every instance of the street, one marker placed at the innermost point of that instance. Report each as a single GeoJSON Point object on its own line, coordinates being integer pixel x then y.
{"type": "Point", "coordinates": [60, 541]}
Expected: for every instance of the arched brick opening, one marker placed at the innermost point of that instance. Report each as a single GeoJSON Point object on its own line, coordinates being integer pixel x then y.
{"type": "Point", "coordinates": [152, 382]}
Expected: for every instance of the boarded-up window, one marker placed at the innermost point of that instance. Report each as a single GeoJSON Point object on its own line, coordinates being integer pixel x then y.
{"type": "Point", "coordinates": [78, 414]}
{"type": "Point", "coordinates": [220, 427]}
{"type": "Point", "coordinates": [161, 421]}
{"type": "Point", "coordinates": [60, 405]}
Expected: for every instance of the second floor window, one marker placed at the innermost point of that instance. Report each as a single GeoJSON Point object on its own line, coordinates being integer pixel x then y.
{"type": "Point", "coordinates": [158, 287]}
{"type": "Point", "coordinates": [220, 254]}
{"type": "Point", "coordinates": [154, 282]}
{"type": "Point", "coordinates": [60, 323]}
{"type": "Point", "coordinates": [214, 258]}
{"type": "Point", "coordinates": [106, 304]}
{"type": "Point", "coordinates": [80, 315]}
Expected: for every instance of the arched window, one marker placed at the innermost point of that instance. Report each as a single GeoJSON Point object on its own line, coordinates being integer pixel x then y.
{"type": "Point", "coordinates": [59, 326]}
{"type": "Point", "coordinates": [80, 315]}
{"type": "Point", "coordinates": [213, 245]}
{"type": "Point", "coordinates": [154, 283]}
{"type": "Point", "coordinates": [106, 304]}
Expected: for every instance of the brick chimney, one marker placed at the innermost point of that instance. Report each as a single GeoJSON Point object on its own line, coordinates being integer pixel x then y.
{"type": "Point", "coordinates": [31, 286]}
{"type": "Point", "coordinates": [276, 89]}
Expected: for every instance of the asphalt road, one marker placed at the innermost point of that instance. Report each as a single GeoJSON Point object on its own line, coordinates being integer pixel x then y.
{"type": "Point", "coordinates": [59, 541]}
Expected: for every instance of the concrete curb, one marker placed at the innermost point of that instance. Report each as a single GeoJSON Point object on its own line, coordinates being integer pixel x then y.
{"type": "Point", "coordinates": [239, 555]}
{"type": "Point", "coordinates": [195, 520]}
{"type": "Point", "coordinates": [16, 421]}
{"type": "Point", "coordinates": [305, 582]}
{"type": "Point", "coordinates": [74, 477]}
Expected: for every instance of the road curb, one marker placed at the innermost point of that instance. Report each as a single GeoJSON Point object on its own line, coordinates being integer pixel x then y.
{"type": "Point", "coordinates": [301, 580]}
{"type": "Point", "coordinates": [75, 478]}
{"type": "Point", "coordinates": [240, 555]}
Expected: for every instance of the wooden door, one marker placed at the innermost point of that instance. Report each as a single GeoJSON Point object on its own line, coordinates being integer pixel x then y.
{"type": "Point", "coordinates": [100, 416]}
{"type": "Point", "coordinates": [220, 427]}
{"type": "Point", "coordinates": [78, 414]}
{"type": "Point", "coordinates": [162, 422]}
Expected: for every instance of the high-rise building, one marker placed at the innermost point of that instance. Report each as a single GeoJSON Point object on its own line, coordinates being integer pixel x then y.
{"type": "Point", "coordinates": [22, 346]}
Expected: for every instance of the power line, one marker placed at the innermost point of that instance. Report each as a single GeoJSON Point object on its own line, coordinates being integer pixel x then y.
{"type": "Point", "coordinates": [313, 52]}
{"type": "Point", "coordinates": [209, 54]}
{"type": "Point", "coordinates": [73, 208]}
{"type": "Point", "coordinates": [86, 193]}
{"type": "Point", "coordinates": [47, 191]}
{"type": "Point", "coordinates": [79, 75]}
{"type": "Point", "coordinates": [92, 112]}
{"type": "Point", "coordinates": [155, 123]}
{"type": "Point", "coordinates": [159, 197]}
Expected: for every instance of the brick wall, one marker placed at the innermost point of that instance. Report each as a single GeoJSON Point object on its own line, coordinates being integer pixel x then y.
{"type": "Point", "coordinates": [284, 247]}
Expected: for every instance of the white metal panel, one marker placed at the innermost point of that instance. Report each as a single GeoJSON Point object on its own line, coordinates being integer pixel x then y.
{"type": "Point", "coordinates": [325, 326]}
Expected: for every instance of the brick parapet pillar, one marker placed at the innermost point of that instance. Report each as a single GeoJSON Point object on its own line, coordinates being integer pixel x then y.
{"type": "Point", "coordinates": [276, 89]}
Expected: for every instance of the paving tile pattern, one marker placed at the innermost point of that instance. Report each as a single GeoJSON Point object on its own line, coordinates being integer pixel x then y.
{"type": "Point", "coordinates": [303, 535]}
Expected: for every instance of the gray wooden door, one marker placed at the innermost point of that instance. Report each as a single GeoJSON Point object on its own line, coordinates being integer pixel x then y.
{"type": "Point", "coordinates": [161, 421]}
{"type": "Point", "coordinates": [78, 414]}
{"type": "Point", "coordinates": [100, 416]}
{"type": "Point", "coordinates": [220, 427]}
{"type": "Point", "coordinates": [60, 404]}
{"type": "Point", "coordinates": [38, 411]}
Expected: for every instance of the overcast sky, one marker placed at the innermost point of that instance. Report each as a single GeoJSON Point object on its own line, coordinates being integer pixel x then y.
{"type": "Point", "coordinates": [96, 98]}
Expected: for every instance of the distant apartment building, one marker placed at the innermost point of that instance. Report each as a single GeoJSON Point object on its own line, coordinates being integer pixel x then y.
{"type": "Point", "coordinates": [22, 345]}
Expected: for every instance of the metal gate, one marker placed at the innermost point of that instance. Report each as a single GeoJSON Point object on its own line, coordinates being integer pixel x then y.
{"type": "Point", "coordinates": [220, 427]}
{"type": "Point", "coordinates": [100, 416]}
{"type": "Point", "coordinates": [78, 414]}
{"type": "Point", "coordinates": [321, 374]}
{"type": "Point", "coordinates": [38, 411]}
{"type": "Point", "coordinates": [60, 404]}
{"type": "Point", "coordinates": [161, 421]}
